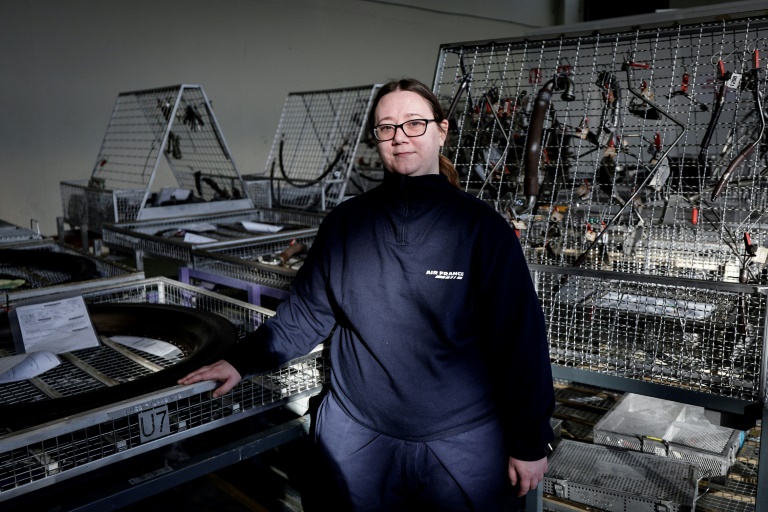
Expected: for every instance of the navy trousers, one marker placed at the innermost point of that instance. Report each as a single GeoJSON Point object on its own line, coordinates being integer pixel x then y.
{"type": "Point", "coordinates": [362, 470]}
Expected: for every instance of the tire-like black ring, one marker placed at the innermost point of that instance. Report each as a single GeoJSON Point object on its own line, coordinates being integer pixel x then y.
{"type": "Point", "coordinates": [77, 267]}
{"type": "Point", "coordinates": [202, 335]}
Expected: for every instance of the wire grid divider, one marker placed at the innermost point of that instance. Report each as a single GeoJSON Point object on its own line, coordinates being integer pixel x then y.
{"type": "Point", "coordinates": [38, 456]}
{"type": "Point", "coordinates": [670, 429]}
{"type": "Point", "coordinates": [174, 123]}
{"type": "Point", "coordinates": [620, 480]}
{"type": "Point", "coordinates": [170, 238]}
{"type": "Point", "coordinates": [610, 127]}
{"type": "Point", "coordinates": [321, 151]}
{"type": "Point", "coordinates": [255, 262]}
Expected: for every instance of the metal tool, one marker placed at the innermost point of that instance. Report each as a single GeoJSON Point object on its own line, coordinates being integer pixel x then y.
{"type": "Point", "coordinates": [294, 249]}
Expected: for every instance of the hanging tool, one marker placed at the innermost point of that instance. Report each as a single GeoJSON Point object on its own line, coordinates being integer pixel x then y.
{"type": "Point", "coordinates": [294, 248]}
{"type": "Point", "coordinates": [611, 95]}
{"type": "Point", "coordinates": [722, 77]}
{"type": "Point", "coordinates": [683, 91]}
{"type": "Point", "coordinates": [627, 67]}
{"type": "Point", "coordinates": [750, 81]}
{"type": "Point", "coordinates": [533, 145]}
{"type": "Point", "coordinates": [463, 86]}
{"type": "Point", "coordinates": [192, 118]}
{"type": "Point", "coordinates": [638, 105]}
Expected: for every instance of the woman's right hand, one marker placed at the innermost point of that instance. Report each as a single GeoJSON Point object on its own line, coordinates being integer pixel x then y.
{"type": "Point", "coordinates": [221, 371]}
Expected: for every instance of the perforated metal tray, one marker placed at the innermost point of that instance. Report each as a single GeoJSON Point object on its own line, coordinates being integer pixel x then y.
{"type": "Point", "coordinates": [619, 480]}
{"type": "Point", "coordinates": [38, 456]}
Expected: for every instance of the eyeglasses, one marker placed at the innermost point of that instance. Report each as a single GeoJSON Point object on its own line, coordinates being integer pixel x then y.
{"type": "Point", "coordinates": [412, 128]}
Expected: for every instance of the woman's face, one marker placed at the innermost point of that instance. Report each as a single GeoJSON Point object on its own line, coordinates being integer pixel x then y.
{"type": "Point", "coordinates": [409, 156]}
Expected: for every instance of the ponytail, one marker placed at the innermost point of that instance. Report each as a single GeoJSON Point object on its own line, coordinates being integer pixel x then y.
{"type": "Point", "coordinates": [447, 168]}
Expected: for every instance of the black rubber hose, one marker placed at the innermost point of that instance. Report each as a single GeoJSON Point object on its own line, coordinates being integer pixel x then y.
{"type": "Point", "coordinates": [716, 110]}
{"type": "Point", "coordinates": [533, 143]}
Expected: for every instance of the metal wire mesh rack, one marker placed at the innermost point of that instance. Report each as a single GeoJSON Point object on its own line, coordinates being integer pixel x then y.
{"type": "Point", "coordinates": [620, 480]}
{"type": "Point", "coordinates": [38, 456]}
{"type": "Point", "coordinates": [42, 269]}
{"type": "Point", "coordinates": [271, 262]}
{"type": "Point", "coordinates": [177, 123]}
{"type": "Point", "coordinates": [631, 162]}
{"type": "Point", "coordinates": [321, 151]}
{"type": "Point", "coordinates": [174, 239]}
{"type": "Point", "coordinates": [11, 233]}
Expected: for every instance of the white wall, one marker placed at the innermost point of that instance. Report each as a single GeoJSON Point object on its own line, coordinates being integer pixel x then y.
{"type": "Point", "coordinates": [63, 63]}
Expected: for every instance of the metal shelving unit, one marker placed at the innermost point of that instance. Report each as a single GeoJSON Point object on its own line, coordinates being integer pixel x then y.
{"type": "Point", "coordinates": [622, 159]}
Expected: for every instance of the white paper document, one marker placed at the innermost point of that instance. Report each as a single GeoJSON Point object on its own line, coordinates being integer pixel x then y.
{"type": "Point", "coordinates": [200, 227]}
{"type": "Point", "coordinates": [258, 227]}
{"type": "Point", "coordinates": [26, 366]}
{"type": "Point", "coordinates": [58, 326]}
{"type": "Point", "coordinates": [192, 238]}
{"type": "Point", "coordinates": [152, 346]}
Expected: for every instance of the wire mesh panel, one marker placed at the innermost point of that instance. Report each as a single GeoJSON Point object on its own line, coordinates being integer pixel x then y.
{"type": "Point", "coordinates": [10, 233]}
{"type": "Point", "coordinates": [321, 152]}
{"type": "Point", "coordinates": [636, 153]}
{"type": "Point", "coordinates": [173, 123]}
{"type": "Point", "coordinates": [175, 238]}
{"type": "Point", "coordinates": [673, 332]}
{"type": "Point", "coordinates": [637, 132]}
{"type": "Point", "coordinates": [272, 261]}
{"type": "Point", "coordinates": [39, 456]}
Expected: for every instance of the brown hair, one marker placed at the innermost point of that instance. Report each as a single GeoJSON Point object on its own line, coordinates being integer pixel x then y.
{"type": "Point", "coordinates": [412, 85]}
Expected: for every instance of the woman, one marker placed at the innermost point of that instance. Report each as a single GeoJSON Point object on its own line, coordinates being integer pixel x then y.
{"type": "Point", "coordinates": [441, 388]}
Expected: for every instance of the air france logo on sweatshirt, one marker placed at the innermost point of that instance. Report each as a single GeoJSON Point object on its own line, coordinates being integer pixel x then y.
{"type": "Point", "coordinates": [442, 274]}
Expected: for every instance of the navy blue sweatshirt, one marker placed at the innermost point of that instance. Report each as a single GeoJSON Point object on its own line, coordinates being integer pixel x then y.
{"type": "Point", "coordinates": [435, 327]}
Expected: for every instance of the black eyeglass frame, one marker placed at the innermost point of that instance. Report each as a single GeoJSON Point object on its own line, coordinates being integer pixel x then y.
{"type": "Point", "coordinates": [402, 127]}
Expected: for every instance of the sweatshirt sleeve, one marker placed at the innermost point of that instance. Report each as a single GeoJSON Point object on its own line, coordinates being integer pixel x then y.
{"type": "Point", "coordinates": [301, 322]}
{"type": "Point", "coordinates": [514, 326]}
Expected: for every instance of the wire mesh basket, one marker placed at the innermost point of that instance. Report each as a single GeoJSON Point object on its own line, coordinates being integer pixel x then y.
{"type": "Point", "coordinates": [619, 480]}
{"type": "Point", "coordinates": [321, 151]}
{"type": "Point", "coordinates": [175, 124]}
{"type": "Point", "coordinates": [257, 262]}
{"type": "Point", "coordinates": [38, 456]}
{"type": "Point", "coordinates": [670, 429]}
{"type": "Point", "coordinates": [43, 270]}
{"type": "Point", "coordinates": [175, 238]}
